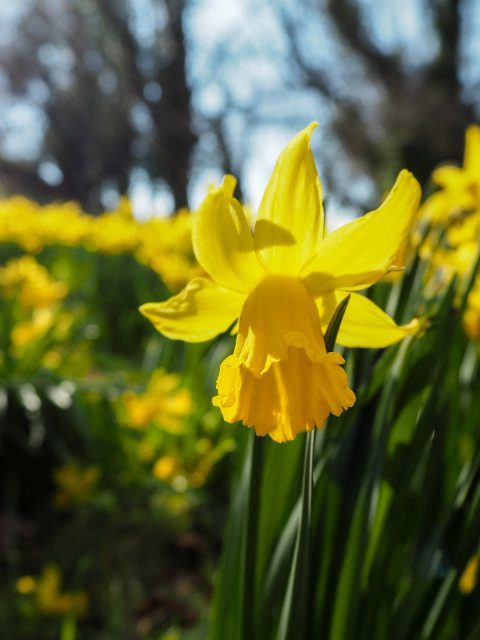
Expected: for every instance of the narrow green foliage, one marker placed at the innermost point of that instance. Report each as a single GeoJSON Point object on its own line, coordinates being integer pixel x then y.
{"type": "Point", "coordinates": [378, 542]}
{"type": "Point", "coordinates": [334, 324]}
{"type": "Point", "coordinates": [294, 619]}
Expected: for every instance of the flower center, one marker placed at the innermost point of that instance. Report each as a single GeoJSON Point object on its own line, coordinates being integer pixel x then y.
{"type": "Point", "coordinates": [279, 313]}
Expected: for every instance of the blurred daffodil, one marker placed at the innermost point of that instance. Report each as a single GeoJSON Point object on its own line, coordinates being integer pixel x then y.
{"type": "Point", "coordinates": [471, 318]}
{"type": "Point", "coordinates": [27, 331]}
{"type": "Point", "coordinates": [30, 281]}
{"type": "Point", "coordinates": [51, 600]}
{"type": "Point", "coordinates": [26, 585]}
{"type": "Point", "coordinates": [165, 467]}
{"type": "Point", "coordinates": [163, 402]}
{"type": "Point", "coordinates": [459, 191]}
{"type": "Point", "coordinates": [469, 578]}
{"type": "Point", "coordinates": [283, 282]}
{"type": "Point", "coordinates": [452, 215]}
{"type": "Point", "coordinates": [74, 484]}
{"type": "Point", "coordinates": [34, 298]}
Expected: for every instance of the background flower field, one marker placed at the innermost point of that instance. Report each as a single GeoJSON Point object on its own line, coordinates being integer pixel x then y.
{"type": "Point", "coordinates": [115, 466]}
{"type": "Point", "coordinates": [129, 510]}
{"type": "Point", "coordinates": [117, 471]}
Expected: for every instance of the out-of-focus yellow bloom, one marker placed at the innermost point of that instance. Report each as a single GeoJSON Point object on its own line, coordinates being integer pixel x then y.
{"type": "Point", "coordinates": [453, 218]}
{"type": "Point", "coordinates": [115, 232]}
{"type": "Point", "coordinates": [28, 331]}
{"type": "Point", "coordinates": [32, 227]}
{"type": "Point", "coordinates": [166, 467]}
{"type": "Point", "coordinates": [468, 579]}
{"type": "Point", "coordinates": [26, 585]}
{"type": "Point", "coordinates": [283, 282]}
{"type": "Point", "coordinates": [52, 359]}
{"type": "Point", "coordinates": [31, 282]}
{"type": "Point", "coordinates": [453, 212]}
{"type": "Point", "coordinates": [471, 318]}
{"type": "Point", "coordinates": [166, 247]}
{"type": "Point", "coordinates": [453, 248]}
{"type": "Point", "coordinates": [51, 600]}
{"type": "Point", "coordinates": [208, 456]}
{"type": "Point", "coordinates": [74, 484]}
{"type": "Point", "coordinates": [163, 244]}
{"type": "Point", "coordinates": [459, 186]}
{"type": "Point", "coordinates": [34, 295]}
{"type": "Point", "coordinates": [164, 402]}
{"type": "Point", "coordinates": [197, 468]}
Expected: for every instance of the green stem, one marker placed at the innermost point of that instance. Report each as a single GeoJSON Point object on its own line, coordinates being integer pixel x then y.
{"type": "Point", "coordinates": [69, 628]}
{"type": "Point", "coordinates": [255, 456]}
{"type": "Point", "coordinates": [295, 611]}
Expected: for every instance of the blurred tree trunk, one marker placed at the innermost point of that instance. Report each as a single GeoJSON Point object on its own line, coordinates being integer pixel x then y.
{"type": "Point", "coordinates": [114, 101]}
{"type": "Point", "coordinates": [177, 138]}
{"type": "Point", "coordinates": [422, 117]}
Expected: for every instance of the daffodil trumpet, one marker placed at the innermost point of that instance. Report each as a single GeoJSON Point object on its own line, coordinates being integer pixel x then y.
{"type": "Point", "coordinates": [283, 282]}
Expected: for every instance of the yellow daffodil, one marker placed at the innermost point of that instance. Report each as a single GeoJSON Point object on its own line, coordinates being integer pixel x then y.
{"type": "Point", "coordinates": [51, 600]}
{"type": "Point", "coordinates": [283, 282]}
{"type": "Point", "coordinates": [453, 217]}
{"type": "Point", "coordinates": [459, 186]}
{"type": "Point", "coordinates": [165, 467]}
{"type": "Point", "coordinates": [164, 403]}
{"type": "Point", "coordinates": [30, 281]}
{"type": "Point", "coordinates": [466, 178]}
{"type": "Point", "coordinates": [26, 332]}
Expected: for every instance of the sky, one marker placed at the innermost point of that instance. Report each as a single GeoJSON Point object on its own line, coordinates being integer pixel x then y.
{"type": "Point", "coordinates": [226, 21]}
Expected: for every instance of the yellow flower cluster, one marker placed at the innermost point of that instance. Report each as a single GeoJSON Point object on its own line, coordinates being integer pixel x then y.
{"type": "Point", "coordinates": [459, 193]}
{"type": "Point", "coordinates": [163, 244]}
{"type": "Point", "coordinates": [28, 280]}
{"type": "Point", "coordinates": [171, 468]}
{"type": "Point", "coordinates": [453, 217]}
{"type": "Point", "coordinates": [34, 296]}
{"type": "Point", "coordinates": [160, 415]}
{"type": "Point", "coordinates": [163, 402]}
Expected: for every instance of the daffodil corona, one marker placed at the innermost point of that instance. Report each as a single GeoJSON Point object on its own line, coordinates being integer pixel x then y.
{"type": "Point", "coordinates": [283, 282]}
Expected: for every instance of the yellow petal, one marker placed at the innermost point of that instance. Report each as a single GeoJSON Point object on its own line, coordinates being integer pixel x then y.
{"type": "Point", "coordinates": [449, 177]}
{"type": "Point", "coordinates": [471, 160]}
{"type": "Point", "coordinates": [437, 208]}
{"type": "Point", "coordinates": [289, 225]}
{"type": "Point", "coordinates": [293, 396]}
{"type": "Point", "coordinates": [199, 312]}
{"type": "Point", "coordinates": [358, 254]}
{"type": "Point", "coordinates": [223, 241]}
{"type": "Point", "coordinates": [364, 324]}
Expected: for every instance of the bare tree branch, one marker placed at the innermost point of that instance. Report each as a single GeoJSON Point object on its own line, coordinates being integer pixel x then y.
{"type": "Point", "coordinates": [346, 15]}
